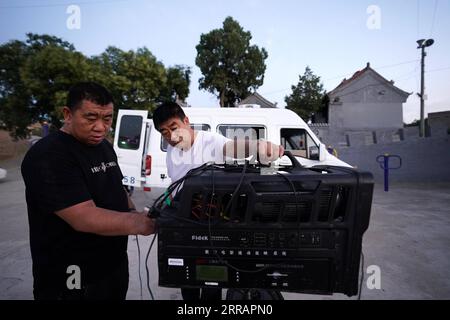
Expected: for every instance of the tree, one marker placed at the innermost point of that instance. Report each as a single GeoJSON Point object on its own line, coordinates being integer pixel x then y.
{"type": "Point", "coordinates": [48, 75]}
{"type": "Point", "coordinates": [137, 80]}
{"type": "Point", "coordinates": [134, 78]}
{"type": "Point", "coordinates": [12, 91]}
{"type": "Point", "coordinates": [177, 85]}
{"type": "Point", "coordinates": [307, 97]}
{"type": "Point", "coordinates": [36, 74]}
{"type": "Point", "coordinates": [414, 123]}
{"type": "Point", "coordinates": [33, 75]}
{"type": "Point", "coordinates": [36, 42]}
{"type": "Point", "coordinates": [231, 67]}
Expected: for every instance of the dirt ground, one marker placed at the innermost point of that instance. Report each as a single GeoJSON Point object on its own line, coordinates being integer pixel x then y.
{"type": "Point", "coordinates": [10, 149]}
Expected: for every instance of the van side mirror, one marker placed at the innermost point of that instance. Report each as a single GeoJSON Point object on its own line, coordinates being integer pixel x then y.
{"type": "Point", "coordinates": [314, 153]}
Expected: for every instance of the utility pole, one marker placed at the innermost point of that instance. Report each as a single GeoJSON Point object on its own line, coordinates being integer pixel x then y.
{"type": "Point", "coordinates": [422, 45]}
{"type": "Point", "coordinates": [422, 93]}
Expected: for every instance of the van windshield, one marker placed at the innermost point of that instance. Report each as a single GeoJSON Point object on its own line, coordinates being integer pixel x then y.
{"type": "Point", "coordinates": [299, 143]}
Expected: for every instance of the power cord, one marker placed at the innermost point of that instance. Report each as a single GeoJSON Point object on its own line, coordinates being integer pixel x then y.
{"type": "Point", "coordinates": [237, 188]}
{"type": "Point", "coordinates": [146, 267]}
{"type": "Point", "coordinates": [295, 193]}
{"type": "Point", "coordinates": [139, 265]}
{"type": "Point", "coordinates": [160, 200]}
{"type": "Point", "coordinates": [362, 275]}
{"type": "Point", "coordinates": [226, 209]}
{"type": "Point", "coordinates": [154, 208]}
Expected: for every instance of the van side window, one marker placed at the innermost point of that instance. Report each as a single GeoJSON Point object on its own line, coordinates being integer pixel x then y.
{"type": "Point", "coordinates": [299, 143]}
{"type": "Point", "coordinates": [253, 132]}
{"type": "Point", "coordinates": [130, 132]}
{"type": "Point", "coordinates": [195, 126]}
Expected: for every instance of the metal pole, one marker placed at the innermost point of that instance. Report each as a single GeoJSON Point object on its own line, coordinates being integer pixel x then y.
{"type": "Point", "coordinates": [386, 172]}
{"type": "Point", "coordinates": [422, 93]}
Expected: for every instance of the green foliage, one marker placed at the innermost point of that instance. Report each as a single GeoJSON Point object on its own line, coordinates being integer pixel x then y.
{"type": "Point", "coordinates": [307, 97]}
{"type": "Point", "coordinates": [231, 67]}
{"type": "Point", "coordinates": [36, 74]}
{"type": "Point", "coordinates": [137, 80]}
{"type": "Point", "coordinates": [37, 42]}
{"type": "Point", "coordinates": [177, 85]}
{"type": "Point", "coordinates": [134, 78]}
{"type": "Point", "coordinates": [48, 74]}
{"type": "Point", "coordinates": [414, 123]}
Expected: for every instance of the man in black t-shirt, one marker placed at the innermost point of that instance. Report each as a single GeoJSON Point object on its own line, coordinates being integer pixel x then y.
{"type": "Point", "coordinates": [78, 210]}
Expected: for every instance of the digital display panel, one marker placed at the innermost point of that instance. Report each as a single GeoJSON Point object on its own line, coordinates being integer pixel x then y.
{"type": "Point", "coordinates": [211, 273]}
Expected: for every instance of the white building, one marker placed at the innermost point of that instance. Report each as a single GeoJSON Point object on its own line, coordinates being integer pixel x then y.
{"type": "Point", "coordinates": [366, 101]}
{"type": "Point", "coordinates": [256, 99]}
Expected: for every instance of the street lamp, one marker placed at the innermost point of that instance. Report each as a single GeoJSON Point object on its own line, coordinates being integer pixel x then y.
{"type": "Point", "coordinates": [422, 44]}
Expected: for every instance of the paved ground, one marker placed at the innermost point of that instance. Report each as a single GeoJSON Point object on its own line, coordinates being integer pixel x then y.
{"type": "Point", "coordinates": [408, 239]}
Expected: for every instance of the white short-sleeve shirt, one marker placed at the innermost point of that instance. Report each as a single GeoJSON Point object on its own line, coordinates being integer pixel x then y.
{"type": "Point", "coordinates": [207, 147]}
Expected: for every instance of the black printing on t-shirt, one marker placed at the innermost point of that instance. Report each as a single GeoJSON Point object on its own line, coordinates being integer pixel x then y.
{"type": "Point", "coordinates": [60, 172]}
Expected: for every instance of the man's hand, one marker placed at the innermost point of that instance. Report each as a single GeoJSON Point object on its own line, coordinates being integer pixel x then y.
{"type": "Point", "coordinates": [145, 226]}
{"type": "Point", "coordinates": [269, 151]}
{"type": "Point", "coordinates": [266, 150]}
{"type": "Point", "coordinates": [87, 217]}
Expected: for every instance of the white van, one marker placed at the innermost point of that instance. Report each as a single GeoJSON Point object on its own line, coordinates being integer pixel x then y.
{"type": "Point", "coordinates": [141, 151]}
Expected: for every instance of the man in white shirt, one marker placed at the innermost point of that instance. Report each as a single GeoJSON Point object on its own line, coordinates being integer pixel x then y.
{"type": "Point", "coordinates": [189, 149]}
{"type": "Point", "coordinates": [206, 147]}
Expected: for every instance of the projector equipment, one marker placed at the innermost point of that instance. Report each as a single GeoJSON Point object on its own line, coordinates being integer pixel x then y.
{"type": "Point", "coordinates": [298, 230]}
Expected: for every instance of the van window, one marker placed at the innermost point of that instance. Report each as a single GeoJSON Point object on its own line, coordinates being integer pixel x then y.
{"type": "Point", "coordinates": [253, 132]}
{"type": "Point", "coordinates": [195, 126]}
{"type": "Point", "coordinates": [300, 143]}
{"type": "Point", "coordinates": [130, 132]}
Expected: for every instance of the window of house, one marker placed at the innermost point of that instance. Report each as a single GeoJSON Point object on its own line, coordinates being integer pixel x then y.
{"type": "Point", "coordinates": [299, 143]}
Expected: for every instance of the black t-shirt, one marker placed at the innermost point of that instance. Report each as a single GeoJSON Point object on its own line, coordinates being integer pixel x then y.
{"type": "Point", "coordinates": [60, 172]}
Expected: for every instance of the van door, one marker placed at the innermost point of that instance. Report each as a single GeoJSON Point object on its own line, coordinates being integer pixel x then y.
{"type": "Point", "coordinates": [129, 144]}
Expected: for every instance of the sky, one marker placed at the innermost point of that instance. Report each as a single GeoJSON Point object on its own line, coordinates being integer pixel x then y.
{"type": "Point", "coordinates": [334, 38]}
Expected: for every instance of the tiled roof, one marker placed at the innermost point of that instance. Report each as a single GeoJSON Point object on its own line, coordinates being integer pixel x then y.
{"type": "Point", "coordinates": [256, 96]}
{"type": "Point", "coordinates": [361, 72]}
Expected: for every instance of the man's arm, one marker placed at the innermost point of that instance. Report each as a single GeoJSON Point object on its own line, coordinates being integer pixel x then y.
{"type": "Point", "coordinates": [266, 150]}
{"type": "Point", "coordinates": [86, 217]}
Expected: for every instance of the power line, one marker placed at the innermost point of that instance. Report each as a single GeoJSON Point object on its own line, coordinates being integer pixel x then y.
{"type": "Point", "coordinates": [348, 74]}
{"type": "Point", "coordinates": [438, 69]}
{"type": "Point", "coordinates": [434, 17]}
{"type": "Point", "coordinates": [405, 76]}
{"type": "Point", "coordinates": [377, 68]}
{"type": "Point", "coordinates": [397, 64]}
{"type": "Point", "coordinates": [418, 18]}
{"type": "Point", "coordinates": [408, 78]}
{"type": "Point", "coordinates": [60, 4]}
{"type": "Point", "coordinates": [401, 78]}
